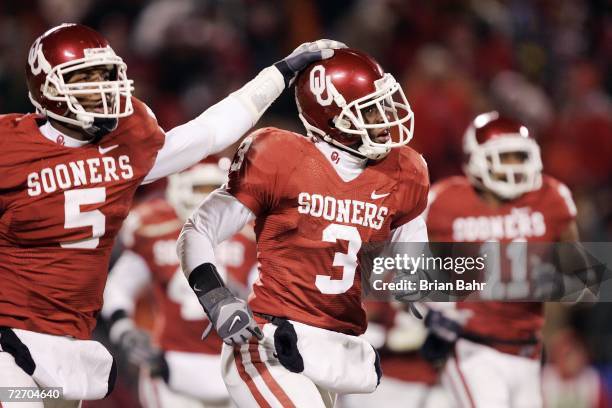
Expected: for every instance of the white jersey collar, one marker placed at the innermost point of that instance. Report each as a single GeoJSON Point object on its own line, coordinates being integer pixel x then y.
{"type": "Point", "coordinates": [347, 165]}
{"type": "Point", "coordinates": [58, 137]}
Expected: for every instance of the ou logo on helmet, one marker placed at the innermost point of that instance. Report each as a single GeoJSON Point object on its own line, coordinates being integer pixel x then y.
{"type": "Point", "coordinates": [36, 59]}
{"type": "Point", "coordinates": [321, 84]}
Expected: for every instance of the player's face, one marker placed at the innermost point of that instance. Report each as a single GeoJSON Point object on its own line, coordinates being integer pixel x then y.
{"type": "Point", "coordinates": [92, 102]}
{"type": "Point", "coordinates": [372, 115]}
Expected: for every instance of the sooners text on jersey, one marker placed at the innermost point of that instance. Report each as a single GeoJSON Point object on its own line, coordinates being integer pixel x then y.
{"type": "Point", "coordinates": [311, 225]}
{"type": "Point", "coordinates": [60, 210]}
{"type": "Point", "coordinates": [457, 214]}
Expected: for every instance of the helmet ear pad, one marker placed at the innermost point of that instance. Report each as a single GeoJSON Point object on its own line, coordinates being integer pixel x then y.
{"type": "Point", "coordinates": [344, 138]}
{"type": "Point", "coordinates": [341, 123]}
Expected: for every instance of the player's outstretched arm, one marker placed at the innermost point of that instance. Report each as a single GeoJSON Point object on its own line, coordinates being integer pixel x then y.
{"type": "Point", "coordinates": [224, 123]}
{"type": "Point", "coordinates": [219, 217]}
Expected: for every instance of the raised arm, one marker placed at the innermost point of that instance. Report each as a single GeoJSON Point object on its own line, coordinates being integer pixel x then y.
{"type": "Point", "coordinates": [224, 123]}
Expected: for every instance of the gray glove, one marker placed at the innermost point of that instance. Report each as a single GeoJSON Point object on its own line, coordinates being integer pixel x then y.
{"type": "Point", "coordinates": [135, 343]}
{"type": "Point", "coordinates": [304, 55]}
{"type": "Point", "coordinates": [230, 316]}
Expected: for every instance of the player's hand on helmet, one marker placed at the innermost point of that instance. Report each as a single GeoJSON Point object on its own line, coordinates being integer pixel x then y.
{"type": "Point", "coordinates": [232, 319]}
{"type": "Point", "coordinates": [304, 55]}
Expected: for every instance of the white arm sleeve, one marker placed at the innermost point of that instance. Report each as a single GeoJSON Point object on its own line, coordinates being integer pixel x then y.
{"type": "Point", "coordinates": [129, 276]}
{"type": "Point", "coordinates": [218, 127]}
{"type": "Point", "coordinates": [218, 218]}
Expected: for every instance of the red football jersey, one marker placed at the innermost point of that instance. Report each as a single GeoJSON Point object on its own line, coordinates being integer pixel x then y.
{"type": "Point", "coordinates": [60, 210]}
{"type": "Point", "coordinates": [458, 214]}
{"type": "Point", "coordinates": [311, 225]}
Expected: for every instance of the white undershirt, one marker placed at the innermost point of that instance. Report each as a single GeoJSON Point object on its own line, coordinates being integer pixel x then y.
{"type": "Point", "coordinates": [60, 138]}
{"type": "Point", "coordinates": [347, 165]}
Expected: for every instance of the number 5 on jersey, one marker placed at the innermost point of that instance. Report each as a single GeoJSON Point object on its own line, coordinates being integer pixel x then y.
{"type": "Point", "coordinates": [75, 218]}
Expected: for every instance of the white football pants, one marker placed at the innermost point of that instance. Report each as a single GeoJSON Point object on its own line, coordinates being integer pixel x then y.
{"type": "Point", "coordinates": [478, 376]}
{"type": "Point", "coordinates": [255, 378]}
{"type": "Point", "coordinates": [11, 375]}
{"type": "Point", "coordinates": [393, 393]}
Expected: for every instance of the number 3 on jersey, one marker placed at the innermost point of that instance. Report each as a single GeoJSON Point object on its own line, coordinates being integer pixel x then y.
{"type": "Point", "coordinates": [348, 260]}
{"type": "Point", "coordinates": [244, 146]}
{"type": "Point", "coordinates": [75, 218]}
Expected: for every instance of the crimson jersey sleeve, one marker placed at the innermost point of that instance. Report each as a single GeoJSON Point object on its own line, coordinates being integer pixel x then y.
{"type": "Point", "coordinates": [414, 182]}
{"type": "Point", "coordinates": [561, 206]}
{"type": "Point", "coordinates": [6, 183]}
{"type": "Point", "coordinates": [256, 175]}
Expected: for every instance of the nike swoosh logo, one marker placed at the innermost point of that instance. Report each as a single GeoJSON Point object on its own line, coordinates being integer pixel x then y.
{"type": "Point", "coordinates": [375, 196]}
{"type": "Point", "coordinates": [236, 319]}
{"type": "Point", "coordinates": [195, 288]}
{"type": "Point", "coordinates": [104, 150]}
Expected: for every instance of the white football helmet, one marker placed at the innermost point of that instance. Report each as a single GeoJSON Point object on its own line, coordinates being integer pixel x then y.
{"type": "Point", "coordinates": [488, 138]}
{"type": "Point", "coordinates": [187, 189]}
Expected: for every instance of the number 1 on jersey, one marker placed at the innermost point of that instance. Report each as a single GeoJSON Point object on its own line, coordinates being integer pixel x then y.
{"type": "Point", "coordinates": [348, 261]}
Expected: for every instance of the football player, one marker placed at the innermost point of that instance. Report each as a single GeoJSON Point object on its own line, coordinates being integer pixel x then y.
{"type": "Point", "coordinates": [188, 374]}
{"type": "Point", "coordinates": [69, 174]}
{"type": "Point", "coordinates": [503, 197]}
{"type": "Point", "coordinates": [317, 201]}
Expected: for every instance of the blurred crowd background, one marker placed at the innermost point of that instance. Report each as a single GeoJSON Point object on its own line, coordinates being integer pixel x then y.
{"type": "Point", "coordinates": [545, 62]}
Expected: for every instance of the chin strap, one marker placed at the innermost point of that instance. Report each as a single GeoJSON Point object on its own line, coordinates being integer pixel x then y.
{"type": "Point", "coordinates": [342, 147]}
{"type": "Point", "coordinates": [100, 127]}
{"type": "Point", "coordinates": [357, 152]}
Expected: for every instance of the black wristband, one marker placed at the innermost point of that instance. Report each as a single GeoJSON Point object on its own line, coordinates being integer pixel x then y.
{"type": "Point", "coordinates": [284, 69]}
{"type": "Point", "coordinates": [205, 278]}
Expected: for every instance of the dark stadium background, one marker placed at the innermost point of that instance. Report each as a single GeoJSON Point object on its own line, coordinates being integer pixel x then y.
{"type": "Point", "coordinates": [545, 62]}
